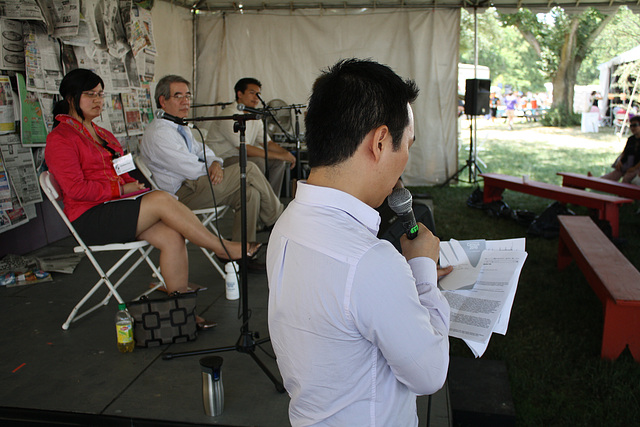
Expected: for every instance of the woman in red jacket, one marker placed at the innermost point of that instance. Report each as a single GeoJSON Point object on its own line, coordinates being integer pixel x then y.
{"type": "Point", "coordinates": [80, 156]}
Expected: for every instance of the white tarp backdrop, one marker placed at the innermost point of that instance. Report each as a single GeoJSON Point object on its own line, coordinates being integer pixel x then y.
{"type": "Point", "coordinates": [173, 34]}
{"type": "Point", "coordinates": [287, 50]}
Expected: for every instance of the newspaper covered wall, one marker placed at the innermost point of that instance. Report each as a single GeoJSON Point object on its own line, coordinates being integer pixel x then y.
{"type": "Point", "coordinates": [41, 41]}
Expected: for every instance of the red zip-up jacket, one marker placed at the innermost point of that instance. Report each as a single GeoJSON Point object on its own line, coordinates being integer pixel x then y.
{"type": "Point", "coordinates": [82, 166]}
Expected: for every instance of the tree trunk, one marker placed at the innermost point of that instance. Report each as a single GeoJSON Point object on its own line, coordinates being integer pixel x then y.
{"type": "Point", "coordinates": [565, 78]}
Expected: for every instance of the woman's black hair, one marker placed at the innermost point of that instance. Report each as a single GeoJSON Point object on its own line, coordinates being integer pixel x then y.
{"type": "Point", "coordinates": [71, 88]}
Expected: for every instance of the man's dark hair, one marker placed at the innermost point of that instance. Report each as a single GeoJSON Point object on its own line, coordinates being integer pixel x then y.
{"type": "Point", "coordinates": [163, 88]}
{"type": "Point", "coordinates": [349, 100]}
{"type": "Point", "coordinates": [242, 84]}
{"type": "Point", "coordinates": [71, 88]}
{"type": "Point", "coordinates": [635, 119]}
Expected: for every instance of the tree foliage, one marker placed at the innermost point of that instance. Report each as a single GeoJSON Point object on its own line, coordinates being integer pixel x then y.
{"type": "Point", "coordinates": [562, 42]}
{"type": "Point", "coordinates": [512, 61]}
{"type": "Point", "coordinates": [620, 35]}
{"type": "Point", "coordinates": [560, 47]}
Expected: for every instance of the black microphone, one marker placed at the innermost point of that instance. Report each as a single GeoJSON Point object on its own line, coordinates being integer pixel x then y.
{"type": "Point", "coordinates": [242, 107]}
{"type": "Point", "coordinates": [400, 201]}
{"type": "Point", "coordinates": [161, 114]}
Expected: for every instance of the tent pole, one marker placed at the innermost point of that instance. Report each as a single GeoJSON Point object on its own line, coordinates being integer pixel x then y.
{"type": "Point", "coordinates": [194, 73]}
{"type": "Point", "coordinates": [471, 161]}
{"type": "Point", "coordinates": [473, 168]}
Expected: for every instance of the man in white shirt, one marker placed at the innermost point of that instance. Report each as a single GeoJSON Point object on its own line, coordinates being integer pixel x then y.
{"type": "Point", "coordinates": [180, 166]}
{"type": "Point", "coordinates": [227, 142]}
{"type": "Point", "coordinates": [358, 328]}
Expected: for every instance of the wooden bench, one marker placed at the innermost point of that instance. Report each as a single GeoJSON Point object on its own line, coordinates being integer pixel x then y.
{"type": "Point", "coordinates": [613, 278]}
{"type": "Point", "coordinates": [608, 206]}
{"type": "Point", "coordinates": [576, 180]}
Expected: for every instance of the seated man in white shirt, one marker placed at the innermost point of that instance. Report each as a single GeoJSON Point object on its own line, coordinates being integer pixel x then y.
{"type": "Point", "coordinates": [358, 328]}
{"type": "Point", "coordinates": [180, 166]}
{"type": "Point", "coordinates": [226, 142]}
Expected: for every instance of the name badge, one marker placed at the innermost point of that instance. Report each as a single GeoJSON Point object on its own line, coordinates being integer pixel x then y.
{"type": "Point", "coordinates": [124, 164]}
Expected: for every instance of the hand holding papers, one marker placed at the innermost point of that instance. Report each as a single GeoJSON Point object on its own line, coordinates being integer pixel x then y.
{"type": "Point", "coordinates": [465, 257]}
{"type": "Point", "coordinates": [482, 292]}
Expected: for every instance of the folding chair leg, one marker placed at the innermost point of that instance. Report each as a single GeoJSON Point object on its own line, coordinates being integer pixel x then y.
{"type": "Point", "coordinates": [144, 255]}
{"type": "Point", "coordinates": [72, 316]}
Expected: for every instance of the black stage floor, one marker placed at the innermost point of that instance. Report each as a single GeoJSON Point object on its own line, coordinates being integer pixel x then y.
{"type": "Point", "coordinates": [77, 377]}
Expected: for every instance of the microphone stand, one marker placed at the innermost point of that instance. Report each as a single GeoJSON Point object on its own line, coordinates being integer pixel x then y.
{"type": "Point", "coordinates": [246, 342]}
{"type": "Point", "coordinates": [295, 139]}
{"type": "Point", "coordinates": [217, 104]}
{"type": "Point", "coordinates": [264, 140]}
{"type": "Point", "coordinates": [297, 111]}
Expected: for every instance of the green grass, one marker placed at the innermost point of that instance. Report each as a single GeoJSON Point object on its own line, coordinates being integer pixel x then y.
{"type": "Point", "coordinates": [552, 347]}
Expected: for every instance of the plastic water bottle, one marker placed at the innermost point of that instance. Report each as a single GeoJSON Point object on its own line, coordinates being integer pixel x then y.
{"type": "Point", "coordinates": [231, 280]}
{"type": "Point", "coordinates": [124, 329]}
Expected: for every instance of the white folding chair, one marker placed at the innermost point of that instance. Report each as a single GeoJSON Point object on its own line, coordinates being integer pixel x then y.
{"type": "Point", "coordinates": [207, 216]}
{"type": "Point", "coordinates": [53, 193]}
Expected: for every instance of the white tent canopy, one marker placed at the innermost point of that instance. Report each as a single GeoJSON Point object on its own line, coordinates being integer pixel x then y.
{"type": "Point", "coordinates": [286, 52]}
{"type": "Point", "coordinates": [607, 67]}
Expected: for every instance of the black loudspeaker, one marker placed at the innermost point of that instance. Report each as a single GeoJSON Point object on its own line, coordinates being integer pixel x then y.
{"type": "Point", "coordinates": [476, 97]}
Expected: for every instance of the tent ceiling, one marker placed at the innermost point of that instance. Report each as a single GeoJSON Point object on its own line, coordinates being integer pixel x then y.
{"type": "Point", "coordinates": [536, 5]}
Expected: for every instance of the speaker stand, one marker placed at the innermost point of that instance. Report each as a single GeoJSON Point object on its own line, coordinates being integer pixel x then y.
{"type": "Point", "coordinates": [471, 163]}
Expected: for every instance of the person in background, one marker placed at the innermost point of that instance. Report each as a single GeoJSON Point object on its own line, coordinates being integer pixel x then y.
{"type": "Point", "coordinates": [358, 328]}
{"type": "Point", "coordinates": [511, 103]}
{"type": "Point", "coordinates": [177, 162]}
{"type": "Point", "coordinates": [494, 101]}
{"type": "Point", "coordinates": [627, 165]}
{"type": "Point", "coordinates": [227, 142]}
{"type": "Point", "coordinates": [80, 155]}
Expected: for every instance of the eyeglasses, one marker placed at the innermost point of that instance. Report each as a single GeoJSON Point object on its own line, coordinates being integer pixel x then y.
{"type": "Point", "coordinates": [179, 96]}
{"type": "Point", "coordinates": [94, 95]}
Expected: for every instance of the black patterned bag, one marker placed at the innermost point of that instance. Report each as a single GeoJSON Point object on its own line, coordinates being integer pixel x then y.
{"type": "Point", "coordinates": [167, 320]}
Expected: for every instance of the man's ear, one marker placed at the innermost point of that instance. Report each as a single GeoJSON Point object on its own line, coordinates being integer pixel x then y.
{"type": "Point", "coordinates": [378, 141]}
{"type": "Point", "coordinates": [161, 100]}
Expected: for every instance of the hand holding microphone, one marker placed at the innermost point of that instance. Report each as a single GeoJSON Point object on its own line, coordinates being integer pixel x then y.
{"type": "Point", "coordinates": [400, 201]}
{"type": "Point", "coordinates": [418, 240]}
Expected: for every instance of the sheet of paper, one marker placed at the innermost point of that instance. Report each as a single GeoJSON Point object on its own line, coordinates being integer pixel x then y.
{"type": "Point", "coordinates": [485, 308]}
{"type": "Point", "coordinates": [466, 257]}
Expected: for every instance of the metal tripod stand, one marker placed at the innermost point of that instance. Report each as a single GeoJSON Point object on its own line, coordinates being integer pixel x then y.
{"type": "Point", "coordinates": [471, 163]}
{"type": "Point", "coordinates": [247, 341]}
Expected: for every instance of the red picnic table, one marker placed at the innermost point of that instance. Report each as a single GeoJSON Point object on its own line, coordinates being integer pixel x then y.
{"type": "Point", "coordinates": [608, 206]}
{"type": "Point", "coordinates": [576, 180]}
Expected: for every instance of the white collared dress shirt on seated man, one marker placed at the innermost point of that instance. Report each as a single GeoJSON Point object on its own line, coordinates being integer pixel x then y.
{"type": "Point", "coordinates": [178, 165]}
{"type": "Point", "coordinates": [226, 141]}
{"type": "Point", "coordinates": [359, 330]}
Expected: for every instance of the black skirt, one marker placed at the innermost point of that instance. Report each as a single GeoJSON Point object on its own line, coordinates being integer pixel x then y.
{"type": "Point", "coordinates": [113, 222]}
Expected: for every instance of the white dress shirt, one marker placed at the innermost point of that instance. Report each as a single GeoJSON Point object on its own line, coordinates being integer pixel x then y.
{"type": "Point", "coordinates": [226, 142]}
{"type": "Point", "coordinates": [170, 159]}
{"type": "Point", "coordinates": [358, 331]}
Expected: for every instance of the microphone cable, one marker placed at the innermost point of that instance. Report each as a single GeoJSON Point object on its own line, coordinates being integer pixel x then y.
{"type": "Point", "coordinates": [215, 206]}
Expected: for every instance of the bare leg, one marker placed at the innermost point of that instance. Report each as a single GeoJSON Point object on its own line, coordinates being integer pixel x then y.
{"type": "Point", "coordinates": [173, 255]}
{"type": "Point", "coordinates": [629, 175]}
{"type": "Point", "coordinates": [614, 175]}
{"type": "Point", "coordinates": [160, 206]}
{"type": "Point", "coordinates": [174, 261]}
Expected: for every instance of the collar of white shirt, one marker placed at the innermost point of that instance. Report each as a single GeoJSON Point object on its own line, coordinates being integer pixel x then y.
{"type": "Point", "coordinates": [330, 197]}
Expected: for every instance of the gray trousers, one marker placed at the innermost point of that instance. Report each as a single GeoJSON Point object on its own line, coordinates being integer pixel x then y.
{"type": "Point", "coordinates": [277, 168]}
{"type": "Point", "coordinates": [262, 203]}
